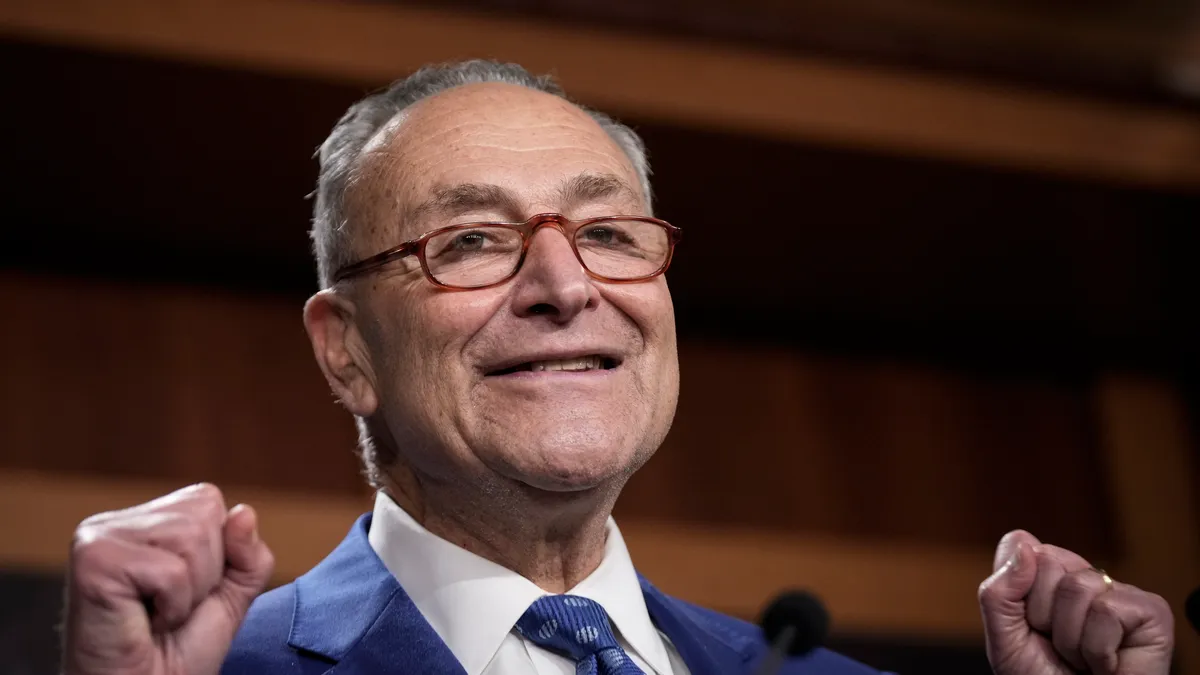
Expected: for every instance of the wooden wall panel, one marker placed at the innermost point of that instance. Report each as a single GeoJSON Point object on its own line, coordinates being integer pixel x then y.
{"type": "Point", "coordinates": [166, 382]}
{"type": "Point", "coordinates": [773, 438]}
{"type": "Point", "coordinates": [183, 385]}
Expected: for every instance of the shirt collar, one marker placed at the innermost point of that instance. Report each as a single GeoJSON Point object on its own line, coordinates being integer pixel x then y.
{"type": "Point", "coordinates": [615, 586]}
{"type": "Point", "coordinates": [473, 603]}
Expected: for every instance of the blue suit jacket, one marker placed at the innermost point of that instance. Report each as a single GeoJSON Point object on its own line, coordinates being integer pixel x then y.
{"type": "Point", "coordinates": [349, 616]}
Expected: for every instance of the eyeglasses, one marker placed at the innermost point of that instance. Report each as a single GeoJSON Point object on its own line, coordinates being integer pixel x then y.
{"type": "Point", "coordinates": [616, 249]}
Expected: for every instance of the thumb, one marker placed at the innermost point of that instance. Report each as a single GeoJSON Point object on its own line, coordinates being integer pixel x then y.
{"type": "Point", "coordinates": [248, 567]}
{"type": "Point", "coordinates": [1002, 595]}
{"type": "Point", "coordinates": [249, 562]}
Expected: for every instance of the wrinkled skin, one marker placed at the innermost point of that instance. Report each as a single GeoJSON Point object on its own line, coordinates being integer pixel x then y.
{"type": "Point", "coordinates": [1046, 611]}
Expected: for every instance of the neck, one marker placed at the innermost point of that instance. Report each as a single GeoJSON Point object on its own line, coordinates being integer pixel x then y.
{"type": "Point", "coordinates": [554, 539]}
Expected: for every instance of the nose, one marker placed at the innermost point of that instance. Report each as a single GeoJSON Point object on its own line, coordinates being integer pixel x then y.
{"type": "Point", "coordinates": [552, 282]}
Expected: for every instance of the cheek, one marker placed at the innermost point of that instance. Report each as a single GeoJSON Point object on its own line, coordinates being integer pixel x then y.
{"type": "Point", "coordinates": [452, 318]}
{"type": "Point", "coordinates": [436, 328]}
{"type": "Point", "coordinates": [650, 309]}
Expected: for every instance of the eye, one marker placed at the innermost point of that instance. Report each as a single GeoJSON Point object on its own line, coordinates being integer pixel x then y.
{"type": "Point", "coordinates": [600, 234]}
{"type": "Point", "coordinates": [468, 241]}
{"type": "Point", "coordinates": [473, 243]}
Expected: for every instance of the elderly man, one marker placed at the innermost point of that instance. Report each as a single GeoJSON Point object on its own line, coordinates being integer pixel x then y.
{"type": "Point", "coordinates": [494, 313]}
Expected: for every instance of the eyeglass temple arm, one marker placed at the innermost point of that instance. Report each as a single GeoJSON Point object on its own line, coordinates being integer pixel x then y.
{"type": "Point", "coordinates": [367, 264]}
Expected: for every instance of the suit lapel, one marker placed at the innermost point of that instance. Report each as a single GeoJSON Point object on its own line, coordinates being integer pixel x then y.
{"type": "Point", "coordinates": [399, 642]}
{"type": "Point", "coordinates": [351, 610]}
{"type": "Point", "coordinates": [705, 648]}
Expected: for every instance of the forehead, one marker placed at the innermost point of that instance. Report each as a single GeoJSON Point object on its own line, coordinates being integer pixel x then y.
{"type": "Point", "coordinates": [526, 141]}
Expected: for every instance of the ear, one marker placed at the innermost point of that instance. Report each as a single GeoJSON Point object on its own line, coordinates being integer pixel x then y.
{"type": "Point", "coordinates": [341, 351]}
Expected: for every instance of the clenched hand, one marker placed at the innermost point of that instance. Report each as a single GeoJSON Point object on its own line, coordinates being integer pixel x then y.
{"type": "Point", "coordinates": [161, 588]}
{"type": "Point", "coordinates": [1047, 611]}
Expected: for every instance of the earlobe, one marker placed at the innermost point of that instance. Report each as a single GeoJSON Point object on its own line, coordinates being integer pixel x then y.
{"type": "Point", "coordinates": [340, 351]}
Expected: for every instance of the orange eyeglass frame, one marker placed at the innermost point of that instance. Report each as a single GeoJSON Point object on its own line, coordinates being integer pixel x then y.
{"type": "Point", "coordinates": [527, 230]}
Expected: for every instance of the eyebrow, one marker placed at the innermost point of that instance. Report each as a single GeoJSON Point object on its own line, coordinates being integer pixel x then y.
{"type": "Point", "coordinates": [455, 200]}
{"type": "Point", "coordinates": [593, 187]}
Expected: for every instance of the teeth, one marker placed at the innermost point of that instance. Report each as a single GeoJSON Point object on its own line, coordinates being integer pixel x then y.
{"type": "Point", "coordinates": [581, 363]}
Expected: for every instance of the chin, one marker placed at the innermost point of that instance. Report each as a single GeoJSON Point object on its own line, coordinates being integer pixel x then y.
{"type": "Point", "coordinates": [568, 465]}
{"type": "Point", "coordinates": [578, 478]}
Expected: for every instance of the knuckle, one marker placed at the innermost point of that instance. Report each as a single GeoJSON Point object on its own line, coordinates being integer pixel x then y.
{"type": "Point", "coordinates": [986, 593]}
{"type": "Point", "coordinates": [1018, 535]}
{"type": "Point", "coordinates": [92, 521]}
{"type": "Point", "coordinates": [1106, 604]}
{"type": "Point", "coordinates": [1073, 585]}
{"type": "Point", "coordinates": [191, 498]}
{"type": "Point", "coordinates": [208, 493]}
{"type": "Point", "coordinates": [176, 573]}
{"type": "Point", "coordinates": [89, 546]}
{"type": "Point", "coordinates": [209, 503]}
{"type": "Point", "coordinates": [1160, 610]}
{"type": "Point", "coordinates": [1159, 604]}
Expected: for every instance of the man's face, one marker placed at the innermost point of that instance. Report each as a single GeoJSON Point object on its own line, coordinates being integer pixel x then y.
{"type": "Point", "coordinates": [442, 362]}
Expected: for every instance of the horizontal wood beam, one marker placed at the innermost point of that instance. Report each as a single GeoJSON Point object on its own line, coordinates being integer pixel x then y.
{"type": "Point", "coordinates": [870, 587]}
{"type": "Point", "coordinates": [686, 83]}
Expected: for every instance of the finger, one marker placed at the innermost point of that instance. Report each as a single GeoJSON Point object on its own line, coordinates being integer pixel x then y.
{"type": "Point", "coordinates": [1069, 559]}
{"type": "Point", "coordinates": [1073, 599]}
{"type": "Point", "coordinates": [1002, 603]}
{"type": "Point", "coordinates": [1101, 638]}
{"type": "Point", "coordinates": [1146, 640]}
{"type": "Point", "coordinates": [201, 499]}
{"type": "Point", "coordinates": [113, 572]}
{"type": "Point", "coordinates": [249, 565]}
{"type": "Point", "coordinates": [204, 504]}
{"type": "Point", "coordinates": [183, 535]}
{"type": "Point", "coordinates": [250, 561]}
{"type": "Point", "coordinates": [165, 580]}
{"type": "Point", "coordinates": [1053, 563]}
{"type": "Point", "coordinates": [112, 584]}
{"type": "Point", "coordinates": [1008, 547]}
{"type": "Point", "coordinates": [187, 522]}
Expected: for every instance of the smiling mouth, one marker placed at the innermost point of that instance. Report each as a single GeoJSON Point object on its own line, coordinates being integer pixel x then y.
{"type": "Point", "coordinates": [575, 365]}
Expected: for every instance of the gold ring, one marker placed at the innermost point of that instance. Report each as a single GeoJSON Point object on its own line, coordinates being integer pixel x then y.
{"type": "Point", "coordinates": [1108, 581]}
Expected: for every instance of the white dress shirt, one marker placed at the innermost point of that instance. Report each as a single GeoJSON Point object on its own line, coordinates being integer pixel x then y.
{"type": "Point", "coordinates": [473, 603]}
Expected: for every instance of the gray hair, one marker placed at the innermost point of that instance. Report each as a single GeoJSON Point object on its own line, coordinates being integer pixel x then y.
{"type": "Point", "coordinates": [332, 232]}
{"type": "Point", "coordinates": [339, 155]}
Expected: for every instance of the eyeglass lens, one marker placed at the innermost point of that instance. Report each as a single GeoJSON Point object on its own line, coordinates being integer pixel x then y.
{"type": "Point", "coordinates": [486, 254]}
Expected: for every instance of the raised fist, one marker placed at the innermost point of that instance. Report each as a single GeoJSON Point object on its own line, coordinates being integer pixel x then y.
{"type": "Point", "coordinates": [161, 588]}
{"type": "Point", "coordinates": [1047, 611]}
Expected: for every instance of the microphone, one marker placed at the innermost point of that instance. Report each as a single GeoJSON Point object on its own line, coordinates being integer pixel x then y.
{"type": "Point", "coordinates": [1191, 609]}
{"type": "Point", "coordinates": [795, 623]}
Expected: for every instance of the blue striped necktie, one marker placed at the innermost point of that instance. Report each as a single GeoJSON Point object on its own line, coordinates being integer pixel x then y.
{"type": "Point", "coordinates": [578, 629]}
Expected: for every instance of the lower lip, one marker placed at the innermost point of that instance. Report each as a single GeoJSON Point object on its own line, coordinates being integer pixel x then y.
{"type": "Point", "coordinates": [555, 374]}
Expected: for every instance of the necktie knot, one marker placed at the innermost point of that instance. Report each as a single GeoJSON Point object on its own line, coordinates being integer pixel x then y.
{"type": "Point", "coordinates": [577, 628]}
